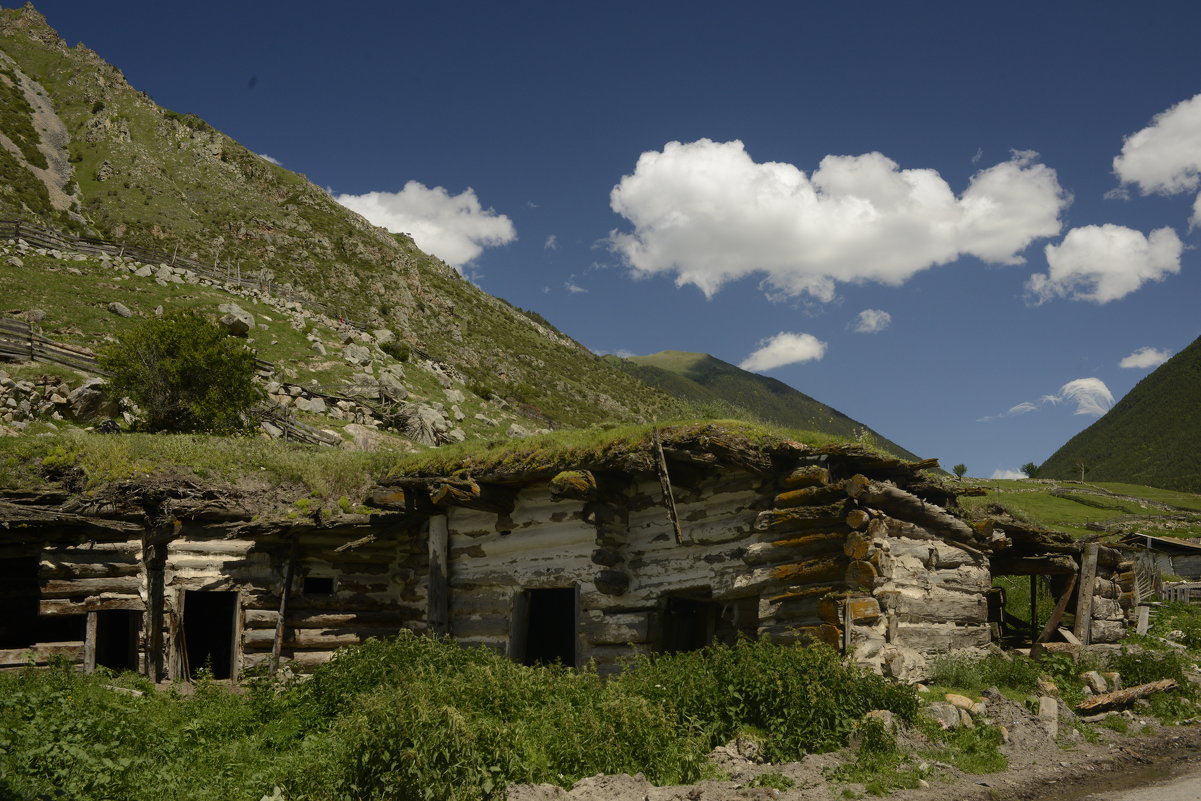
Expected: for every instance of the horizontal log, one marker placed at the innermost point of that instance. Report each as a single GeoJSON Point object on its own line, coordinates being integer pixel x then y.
{"type": "Point", "coordinates": [314, 639]}
{"type": "Point", "coordinates": [809, 571]}
{"type": "Point", "coordinates": [77, 570]}
{"type": "Point", "coordinates": [579, 485]}
{"type": "Point", "coordinates": [71, 606]}
{"type": "Point", "coordinates": [73, 588]}
{"type": "Point", "coordinates": [806, 476]}
{"type": "Point", "coordinates": [1051, 565]}
{"type": "Point", "coordinates": [41, 653]}
{"type": "Point", "coordinates": [1121, 698]}
{"type": "Point", "coordinates": [793, 549]}
{"type": "Point", "coordinates": [801, 518]}
{"type": "Point", "coordinates": [267, 618]}
{"type": "Point", "coordinates": [906, 506]}
{"type": "Point", "coordinates": [808, 496]}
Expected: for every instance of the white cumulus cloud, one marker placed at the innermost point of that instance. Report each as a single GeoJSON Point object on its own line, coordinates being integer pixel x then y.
{"type": "Point", "coordinates": [872, 321]}
{"type": "Point", "coordinates": [454, 228]}
{"type": "Point", "coordinates": [707, 213]}
{"type": "Point", "coordinates": [1007, 474]}
{"type": "Point", "coordinates": [552, 243]}
{"type": "Point", "coordinates": [784, 348]}
{"type": "Point", "coordinates": [1145, 357]}
{"type": "Point", "coordinates": [265, 157]}
{"type": "Point", "coordinates": [1165, 157]}
{"type": "Point", "coordinates": [1105, 262]}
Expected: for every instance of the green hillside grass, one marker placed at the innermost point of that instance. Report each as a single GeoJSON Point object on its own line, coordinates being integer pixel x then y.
{"type": "Point", "coordinates": [1092, 508]}
{"type": "Point", "coordinates": [166, 180]}
{"type": "Point", "coordinates": [1152, 436]}
{"type": "Point", "coordinates": [708, 383]}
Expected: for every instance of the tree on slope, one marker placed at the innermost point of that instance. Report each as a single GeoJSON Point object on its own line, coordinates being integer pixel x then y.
{"type": "Point", "coordinates": [185, 373]}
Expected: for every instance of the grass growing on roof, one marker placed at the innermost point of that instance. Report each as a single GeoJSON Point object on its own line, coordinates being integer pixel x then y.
{"type": "Point", "coordinates": [578, 447]}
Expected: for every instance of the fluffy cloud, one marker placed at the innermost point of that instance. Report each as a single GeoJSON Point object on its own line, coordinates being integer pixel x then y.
{"type": "Point", "coordinates": [708, 213]}
{"type": "Point", "coordinates": [454, 228]}
{"type": "Point", "coordinates": [1165, 157]}
{"type": "Point", "coordinates": [784, 348]}
{"type": "Point", "coordinates": [1008, 474]}
{"type": "Point", "coordinates": [872, 321]}
{"type": "Point", "coordinates": [1145, 357]}
{"type": "Point", "coordinates": [265, 157]}
{"type": "Point", "coordinates": [1090, 395]}
{"type": "Point", "coordinates": [552, 243]}
{"type": "Point", "coordinates": [1105, 262]}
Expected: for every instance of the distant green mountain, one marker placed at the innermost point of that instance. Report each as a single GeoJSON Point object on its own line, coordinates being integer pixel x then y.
{"type": "Point", "coordinates": [719, 388]}
{"type": "Point", "coordinates": [1152, 436]}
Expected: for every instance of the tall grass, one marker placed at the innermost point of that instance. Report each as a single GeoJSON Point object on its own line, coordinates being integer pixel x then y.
{"type": "Point", "coordinates": [416, 718]}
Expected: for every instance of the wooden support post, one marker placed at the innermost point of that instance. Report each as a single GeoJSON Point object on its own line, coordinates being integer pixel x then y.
{"type": "Point", "coordinates": [1144, 619]}
{"type": "Point", "coordinates": [277, 644]}
{"type": "Point", "coordinates": [174, 254]}
{"type": "Point", "coordinates": [665, 482]}
{"type": "Point", "coordinates": [89, 644]}
{"type": "Point", "coordinates": [154, 556]}
{"type": "Point", "coordinates": [1053, 622]}
{"type": "Point", "coordinates": [1084, 595]}
{"type": "Point", "coordinates": [1033, 609]}
{"type": "Point", "coordinates": [438, 611]}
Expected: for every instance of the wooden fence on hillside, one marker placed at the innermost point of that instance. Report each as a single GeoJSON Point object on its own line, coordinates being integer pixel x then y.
{"type": "Point", "coordinates": [39, 236]}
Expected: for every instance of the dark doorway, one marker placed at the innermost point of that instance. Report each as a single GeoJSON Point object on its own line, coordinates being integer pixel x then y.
{"type": "Point", "coordinates": [117, 638]}
{"type": "Point", "coordinates": [544, 627]}
{"type": "Point", "coordinates": [208, 630]}
{"type": "Point", "coordinates": [691, 620]}
{"type": "Point", "coordinates": [19, 594]}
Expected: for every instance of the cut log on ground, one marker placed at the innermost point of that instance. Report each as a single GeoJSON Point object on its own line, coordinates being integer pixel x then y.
{"type": "Point", "coordinates": [1121, 698]}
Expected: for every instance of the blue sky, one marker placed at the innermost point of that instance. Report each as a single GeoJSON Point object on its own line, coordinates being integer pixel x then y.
{"type": "Point", "coordinates": [828, 160]}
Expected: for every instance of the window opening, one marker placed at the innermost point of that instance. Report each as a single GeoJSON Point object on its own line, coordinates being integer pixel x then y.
{"type": "Point", "coordinates": [318, 585]}
{"type": "Point", "coordinates": [117, 638]}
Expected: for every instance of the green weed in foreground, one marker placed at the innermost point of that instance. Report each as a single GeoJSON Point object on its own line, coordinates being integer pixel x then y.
{"type": "Point", "coordinates": [413, 718]}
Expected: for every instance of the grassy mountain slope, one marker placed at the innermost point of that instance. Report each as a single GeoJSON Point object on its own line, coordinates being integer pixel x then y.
{"type": "Point", "coordinates": [92, 154]}
{"type": "Point", "coordinates": [1152, 436]}
{"type": "Point", "coordinates": [709, 383]}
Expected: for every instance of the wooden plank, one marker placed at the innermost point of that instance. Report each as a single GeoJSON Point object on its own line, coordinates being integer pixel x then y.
{"type": "Point", "coordinates": [1084, 597]}
{"type": "Point", "coordinates": [89, 643]}
{"type": "Point", "coordinates": [1053, 621]}
{"type": "Point", "coordinates": [665, 483]}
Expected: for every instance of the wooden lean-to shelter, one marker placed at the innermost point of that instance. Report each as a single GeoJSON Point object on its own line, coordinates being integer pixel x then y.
{"type": "Point", "coordinates": [696, 534]}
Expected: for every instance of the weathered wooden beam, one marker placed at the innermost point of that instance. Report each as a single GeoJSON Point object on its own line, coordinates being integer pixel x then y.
{"type": "Point", "coordinates": [1084, 600]}
{"type": "Point", "coordinates": [1065, 597]}
{"type": "Point", "coordinates": [806, 476]}
{"type": "Point", "coordinates": [665, 482]}
{"type": "Point", "coordinates": [578, 485]}
{"type": "Point", "coordinates": [481, 497]}
{"type": "Point", "coordinates": [1051, 565]}
{"type": "Point", "coordinates": [808, 496]}
{"type": "Point", "coordinates": [1120, 698]}
{"type": "Point", "coordinates": [801, 518]}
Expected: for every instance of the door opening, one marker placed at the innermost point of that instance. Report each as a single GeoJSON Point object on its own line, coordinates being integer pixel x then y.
{"type": "Point", "coordinates": [692, 620]}
{"type": "Point", "coordinates": [209, 620]}
{"type": "Point", "coordinates": [117, 638]}
{"type": "Point", "coordinates": [545, 627]}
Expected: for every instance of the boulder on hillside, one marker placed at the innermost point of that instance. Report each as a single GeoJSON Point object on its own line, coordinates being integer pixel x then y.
{"type": "Point", "coordinates": [235, 320]}
{"type": "Point", "coordinates": [356, 354]}
{"type": "Point", "coordinates": [91, 400]}
{"type": "Point", "coordinates": [119, 309]}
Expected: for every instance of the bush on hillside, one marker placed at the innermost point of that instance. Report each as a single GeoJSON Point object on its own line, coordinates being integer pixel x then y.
{"type": "Point", "coordinates": [185, 374]}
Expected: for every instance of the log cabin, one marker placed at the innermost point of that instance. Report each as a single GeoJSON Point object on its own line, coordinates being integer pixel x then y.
{"type": "Point", "coordinates": [690, 536]}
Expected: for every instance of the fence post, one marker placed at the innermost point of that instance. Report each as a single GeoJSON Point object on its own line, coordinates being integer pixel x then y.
{"type": "Point", "coordinates": [17, 231]}
{"type": "Point", "coordinates": [176, 253]}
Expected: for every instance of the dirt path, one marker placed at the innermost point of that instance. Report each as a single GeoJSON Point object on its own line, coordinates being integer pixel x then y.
{"type": "Point", "coordinates": [1039, 770]}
